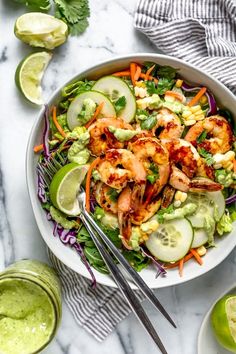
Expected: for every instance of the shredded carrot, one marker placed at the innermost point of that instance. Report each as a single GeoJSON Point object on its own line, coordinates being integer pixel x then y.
{"type": "Point", "coordinates": [88, 181]}
{"type": "Point", "coordinates": [122, 73]}
{"type": "Point", "coordinates": [38, 148]}
{"type": "Point", "coordinates": [176, 264]}
{"type": "Point", "coordinates": [175, 95]}
{"type": "Point", "coordinates": [181, 267]}
{"type": "Point", "coordinates": [142, 75]}
{"type": "Point", "coordinates": [132, 72]}
{"type": "Point", "coordinates": [149, 72]}
{"type": "Point", "coordinates": [196, 98]}
{"type": "Point", "coordinates": [95, 115]}
{"type": "Point", "coordinates": [150, 78]}
{"type": "Point", "coordinates": [196, 256]}
{"type": "Point", "coordinates": [137, 73]}
{"type": "Point", "coordinates": [55, 121]}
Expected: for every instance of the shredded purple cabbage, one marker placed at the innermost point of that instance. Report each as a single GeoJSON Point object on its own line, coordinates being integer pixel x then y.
{"type": "Point", "coordinates": [211, 100]}
{"type": "Point", "coordinates": [68, 237]}
{"type": "Point", "coordinates": [189, 88]}
{"type": "Point", "coordinates": [231, 199]}
{"type": "Point", "coordinates": [46, 133]}
{"type": "Point", "coordinates": [41, 188]}
{"type": "Point", "coordinates": [161, 270]}
{"type": "Point", "coordinates": [212, 104]}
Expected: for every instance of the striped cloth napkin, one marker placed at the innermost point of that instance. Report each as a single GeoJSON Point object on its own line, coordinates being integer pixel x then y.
{"type": "Point", "coordinates": [202, 32]}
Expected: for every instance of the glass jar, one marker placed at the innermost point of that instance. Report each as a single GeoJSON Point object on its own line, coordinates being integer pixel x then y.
{"type": "Point", "coordinates": [30, 307]}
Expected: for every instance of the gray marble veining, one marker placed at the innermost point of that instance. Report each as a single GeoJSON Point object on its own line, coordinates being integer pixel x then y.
{"type": "Point", "coordinates": [110, 33]}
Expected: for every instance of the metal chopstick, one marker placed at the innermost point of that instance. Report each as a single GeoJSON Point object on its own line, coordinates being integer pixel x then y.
{"type": "Point", "coordinates": [135, 276]}
{"type": "Point", "coordinates": [124, 286]}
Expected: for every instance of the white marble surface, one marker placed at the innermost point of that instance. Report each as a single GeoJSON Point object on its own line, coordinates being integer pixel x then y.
{"type": "Point", "coordinates": [110, 33]}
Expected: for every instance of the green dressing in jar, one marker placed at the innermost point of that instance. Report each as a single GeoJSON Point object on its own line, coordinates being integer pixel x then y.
{"type": "Point", "coordinates": [30, 307]}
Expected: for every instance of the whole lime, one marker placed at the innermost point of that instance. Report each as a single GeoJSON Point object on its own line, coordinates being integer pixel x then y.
{"type": "Point", "coordinates": [223, 320]}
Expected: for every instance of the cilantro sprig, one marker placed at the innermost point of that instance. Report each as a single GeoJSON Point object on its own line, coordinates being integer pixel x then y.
{"type": "Point", "coordinates": [75, 13]}
{"type": "Point", "coordinates": [207, 156]}
{"type": "Point", "coordinates": [202, 136]}
{"type": "Point", "coordinates": [154, 173]}
{"type": "Point", "coordinates": [120, 104]}
{"type": "Point", "coordinates": [36, 5]}
{"type": "Point", "coordinates": [164, 84]}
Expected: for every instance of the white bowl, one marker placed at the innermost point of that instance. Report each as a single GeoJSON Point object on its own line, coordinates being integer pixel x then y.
{"type": "Point", "coordinates": [66, 254]}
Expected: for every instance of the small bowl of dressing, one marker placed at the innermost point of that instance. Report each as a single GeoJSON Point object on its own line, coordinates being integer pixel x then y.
{"type": "Point", "coordinates": [30, 307]}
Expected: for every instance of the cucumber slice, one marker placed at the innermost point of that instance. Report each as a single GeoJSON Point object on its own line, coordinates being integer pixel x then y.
{"type": "Point", "coordinates": [204, 206]}
{"type": "Point", "coordinates": [114, 88]}
{"type": "Point", "coordinates": [171, 241]}
{"type": "Point", "coordinates": [206, 203]}
{"type": "Point", "coordinates": [77, 105]}
{"type": "Point", "coordinates": [200, 237]}
{"type": "Point", "coordinates": [219, 200]}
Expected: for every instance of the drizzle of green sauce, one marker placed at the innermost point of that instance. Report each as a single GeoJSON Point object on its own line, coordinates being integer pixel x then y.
{"type": "Point", "coordinates": [27, 317]}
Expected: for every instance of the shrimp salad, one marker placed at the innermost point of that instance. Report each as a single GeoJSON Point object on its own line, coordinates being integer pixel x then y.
{"type": "Point", "coordinates": [156, 157]}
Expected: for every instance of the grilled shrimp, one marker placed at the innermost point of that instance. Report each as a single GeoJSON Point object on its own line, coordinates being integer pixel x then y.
{"type": "Point", "coordinates": [120, 166]}
{"type": "Point", "coordinates": [180, 181]}
{"type": "Point", "coordinates": [104, 199]}
{"type": "Point", "coordinates": [144, 211]}
{"type": "Point", "coordinates": [101, 139]}
{"type": "Point", "coordinates": [168, 125]}
{"type": "Point", "coordinates": [219, 137]}
{"type": "Point", "coordinates": [124, 208]}
{"type": "Point", "coordinates": [150, 151]}
{"type": "Point", "coordinates": [184, 155]}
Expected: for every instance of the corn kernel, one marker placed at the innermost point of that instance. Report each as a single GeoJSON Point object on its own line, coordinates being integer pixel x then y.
{"type": "Point", "coordinates": [183, 197]}
{"type": "Point", "coordinates": [191, 117]}
{"type": "Point", "coordinates": [140, 84]}
{"type": "Point", "coordinates": [177, 195]}
{"type": "Point", "coordinates": [140, 92]}
{"type": "Point", "coordinates": [195, 109]}
{"type": "Point", "coordinates": [190, 122]}
{"type": "Point", "coordinates": [217, 166]}
{"type": "Point", "coordinates": [227, 164]}
{"type": "Point", "coordinates": [179, 83]}
{"type": "Point", "coordinates": [203, 99]}
{"type": "Point", "coordinates": [229, 167]}
{"type": "Point", "coordinates": [201, 251]}
{"type": "Point", "coordinates": [199, 117]}
{"type": "Point", "coordinates": [186, 114]}
{"type": "Point", "coordinates": [177, 203]}
{"type": "Point", "coordinates": [230, 155]}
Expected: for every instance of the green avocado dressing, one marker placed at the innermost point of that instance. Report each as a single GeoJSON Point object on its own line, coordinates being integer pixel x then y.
{"type": "Point", "coordinates": [27, 316]}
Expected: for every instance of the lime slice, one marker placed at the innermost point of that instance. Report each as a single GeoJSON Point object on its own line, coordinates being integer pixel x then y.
{"type": "Point", "coordinates": [41, 30]}
{"type": "Point", "coordinates": [29, 74]}
{"type": "Point", "coordinates": [223, 319]}
{"type": "Point", "coordinates": [64, 188]}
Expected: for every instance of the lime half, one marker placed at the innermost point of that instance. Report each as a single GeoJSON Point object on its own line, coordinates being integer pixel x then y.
{"type": "Point", "coordinates": [223, 319]}
{"type": "Point", "coordinates": [41, 30]}
{"type": "Point", "coordinates": [29, 74]}
{"type": "Point", "coordinates": [64, 188]}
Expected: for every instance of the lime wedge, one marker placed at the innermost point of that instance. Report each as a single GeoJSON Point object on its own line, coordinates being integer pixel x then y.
{"type": "Point", "coordinates": [64, 188]}
{"type": "Point", "coordinates": [223, 319]}
{"type": "Point", "coordinates": [41, 30]}
{"type": "Point", "coordinates": [29, 74]}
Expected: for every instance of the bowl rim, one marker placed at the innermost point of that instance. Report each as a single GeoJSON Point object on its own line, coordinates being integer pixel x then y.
{"type": "Point", "coordinates": [29, 177]}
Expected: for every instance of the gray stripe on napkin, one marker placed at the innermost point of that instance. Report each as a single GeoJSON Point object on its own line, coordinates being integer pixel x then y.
{"type": "Point", "coordinates": [202, 32]}
{"type": "Point", "coordinates": [97, 310]}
